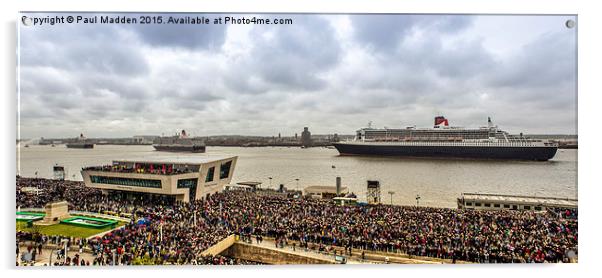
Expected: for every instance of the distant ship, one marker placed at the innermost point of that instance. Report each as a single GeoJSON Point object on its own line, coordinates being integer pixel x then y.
{"type": "Point", "coordinates": [447, 142]}
{"type": "Point", "coordinates": [179, 143]}
{"type": "Point", "coordinates": [80, 143]}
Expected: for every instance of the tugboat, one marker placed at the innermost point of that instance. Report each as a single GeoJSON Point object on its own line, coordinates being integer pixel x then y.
{"type": "Point", "coordinates": [179, 143]}
{"type": "Point", "coordinates": [80, 143]}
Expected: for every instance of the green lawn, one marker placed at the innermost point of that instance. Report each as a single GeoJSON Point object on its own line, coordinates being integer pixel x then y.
{"type": "Point", "coordinates": [64, 229]}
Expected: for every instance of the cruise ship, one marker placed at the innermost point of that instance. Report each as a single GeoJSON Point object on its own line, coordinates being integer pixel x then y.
{"type": "Point", "coordinates": [179, 143]}
{"type": "Point", "coordinates": [488, 142]}
{"type": "Point", "coordinates": [80, 143]}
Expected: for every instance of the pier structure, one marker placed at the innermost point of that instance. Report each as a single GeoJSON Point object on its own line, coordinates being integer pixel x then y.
{"type": "Point", "coordinates": [483, 201]}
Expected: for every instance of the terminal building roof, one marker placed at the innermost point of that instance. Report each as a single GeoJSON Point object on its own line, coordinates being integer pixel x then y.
{"type": "Point", "coordinates": [190, 160]}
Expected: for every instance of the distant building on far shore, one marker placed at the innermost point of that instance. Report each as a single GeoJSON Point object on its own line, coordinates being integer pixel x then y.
{"type": "Point", "coordinates": [144, 139]}
{"type": "Point", "coordinates": [306, 138]}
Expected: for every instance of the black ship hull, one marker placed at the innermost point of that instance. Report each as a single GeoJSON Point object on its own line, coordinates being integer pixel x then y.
{"type": "Point", "coordinates": [542, 153]}
{"type": "Point", "coordinates": [80, 146]}
{"type": "Point", "coordinates": [173, 148]}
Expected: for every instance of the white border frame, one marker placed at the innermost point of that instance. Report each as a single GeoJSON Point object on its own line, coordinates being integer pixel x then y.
{"type": "Point", "coordinates": [588, 101]}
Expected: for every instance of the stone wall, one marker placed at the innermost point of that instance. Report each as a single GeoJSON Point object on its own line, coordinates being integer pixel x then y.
{"type": "Point", "coordinates": [269, 256]}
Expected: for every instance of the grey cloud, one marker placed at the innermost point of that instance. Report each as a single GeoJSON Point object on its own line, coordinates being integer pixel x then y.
{"type": "Point", "coordinates": [195, 94]}
{"type": "Point", "coordinates": [464, 60]}
{"type": "Point", "coordinates": [187, 89]}
{"type": "Point", "coordinates": [450, 24]}
{"type": "Point", "coordinates": [287, 56]}
{"type": "Point", "coordinates": [429, 73]}
{"type": "Point", "coordinates": [52, 81]}
{"type": "Point", "coordinates": [46, 94]}
{"type": "Point", "coordinates": [95, 48]}
{"type": "Point", "coordinates": [541, 76]}
{"type": "Point", "coordinates": [108, 58]}
{"type": "Point", "coordinates": [547, 60]}
{"type": "Point", "coordinates": [382, 31]}
{"type": "Point", "coordinates": [386, 32]}
{"type": "Point", "coordinates": [190, 98]}
{"type": "Point", "coordinates": [122, 87]}
{"type": "Point", "coordinates": [421, 66]}
{"type": "Point", "coordinates": [187, 36]}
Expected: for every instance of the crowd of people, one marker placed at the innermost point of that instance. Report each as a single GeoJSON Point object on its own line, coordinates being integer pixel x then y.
{"type": "Point", "coordinates": [564, 212]}
{"type": "Point", "coordinates": [30, 245]}
{"type": "Point", "coordinates": [469, 235]}
{"type": "Point", "coordinates": [178, 233]}
{"type": "Point", "coordinates": [142, 168]}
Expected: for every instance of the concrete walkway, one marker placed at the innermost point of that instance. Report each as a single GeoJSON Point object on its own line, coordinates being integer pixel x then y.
{"type": "Point", "coordinates": [44, 258]}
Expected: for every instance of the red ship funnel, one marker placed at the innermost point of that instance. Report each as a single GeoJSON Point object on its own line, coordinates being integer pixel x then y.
{"type": "Point", "coordinates": [439, 120]}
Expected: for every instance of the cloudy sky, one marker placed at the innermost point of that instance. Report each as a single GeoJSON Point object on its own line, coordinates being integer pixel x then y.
{"type": "Point", "coordinates": [333, 73]}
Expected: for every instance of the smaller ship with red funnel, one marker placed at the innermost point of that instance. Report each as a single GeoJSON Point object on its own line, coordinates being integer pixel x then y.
{"type": "Point", "coordinates": [180, 142]}
{"type": "Point", "coordinates": [80, 143]}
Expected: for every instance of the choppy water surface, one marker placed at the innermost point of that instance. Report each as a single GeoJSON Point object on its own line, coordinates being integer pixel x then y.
{"type": "Point", "coordinates": [438, 182]}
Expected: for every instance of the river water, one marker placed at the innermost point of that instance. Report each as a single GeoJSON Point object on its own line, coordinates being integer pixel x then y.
{"type": "Point", "coordinates": [438, 182]}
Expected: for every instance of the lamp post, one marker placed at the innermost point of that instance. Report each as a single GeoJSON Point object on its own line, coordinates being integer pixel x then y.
{"type": "Point", "coordinates": [65, 241]}
{"type": "Point", "coordinates": [270, 178]}
{"type": "Point", "coordinates": [391, 193]}
{"type": "Point", "coordinates": [334, 169]}
{"type": "Point", "coordinates": [297, 179]}
{"type": "Point", "coordinates": [417, 199]}
{"type": "Point", "coordinates": [50, 257]}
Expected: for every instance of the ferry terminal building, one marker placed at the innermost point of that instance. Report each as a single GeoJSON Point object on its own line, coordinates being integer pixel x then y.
{"type": "Point", "coordinates": [167, 179]}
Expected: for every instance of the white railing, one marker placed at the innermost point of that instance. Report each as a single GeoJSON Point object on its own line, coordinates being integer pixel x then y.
{"type": "Point", "coordinates": [99, 215]}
